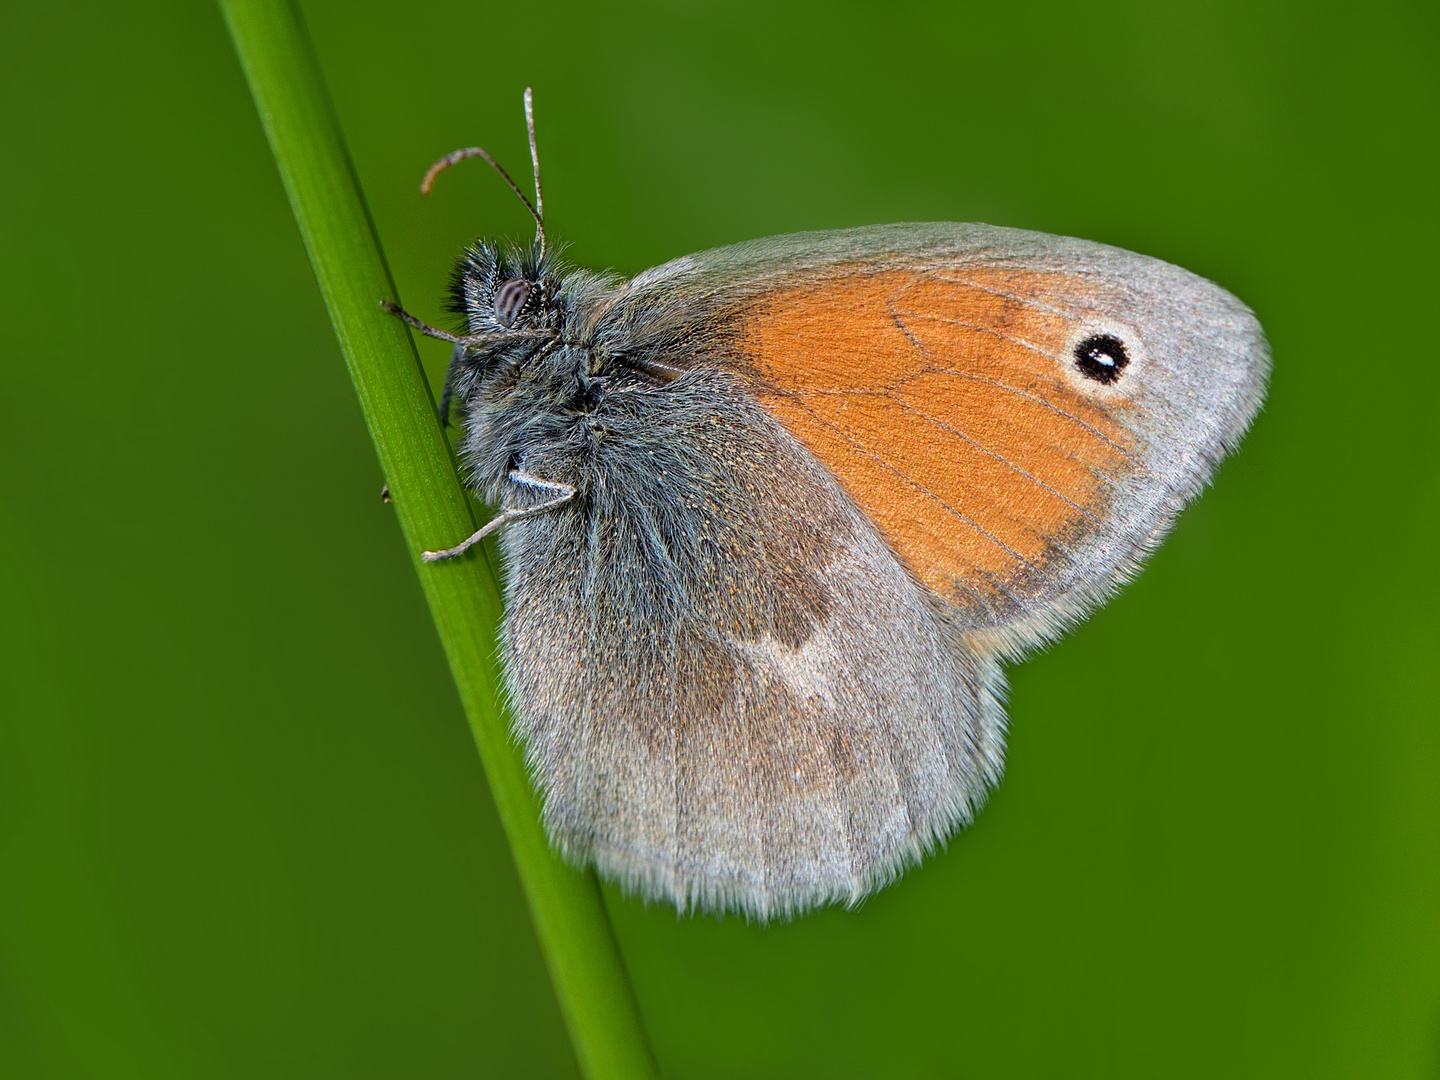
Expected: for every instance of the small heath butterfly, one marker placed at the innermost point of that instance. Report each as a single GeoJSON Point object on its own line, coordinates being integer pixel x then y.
{"type": "Point", "coordinates": [777, 512]}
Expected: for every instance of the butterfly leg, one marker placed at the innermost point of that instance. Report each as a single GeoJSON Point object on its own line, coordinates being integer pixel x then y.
{"type": "Point", "coordinates": [564, 493]}
{"type": "Point", "coordinates": [452, 374]}
{"type": "Point", "coordinates": [463, 339]}
{"type": "Point", "coordinates": [662, 373]}
{"type": "Point", "coordinates": [424, 327]}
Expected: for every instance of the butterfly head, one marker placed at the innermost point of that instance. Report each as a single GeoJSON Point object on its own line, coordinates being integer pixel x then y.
{"type": "Point", "coordinates": [502, 291]}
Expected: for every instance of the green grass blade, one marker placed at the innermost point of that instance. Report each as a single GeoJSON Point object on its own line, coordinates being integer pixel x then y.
{"type": "Point", "coordinates": [579, 945]}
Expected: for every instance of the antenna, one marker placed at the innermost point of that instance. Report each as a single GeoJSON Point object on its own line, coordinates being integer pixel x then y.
{"type": "Point", "coordinates": [457, 156]}
{"type": "Point", "coordinates": [535, 160]}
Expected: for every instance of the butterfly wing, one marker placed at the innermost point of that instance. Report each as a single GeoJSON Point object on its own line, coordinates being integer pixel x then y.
{"type": "Point", "coordinates": [755, 664]}
{"type": "Point", "coordinates": [732, 695]}
{"type": "Point", "coordinates": [958, 381]}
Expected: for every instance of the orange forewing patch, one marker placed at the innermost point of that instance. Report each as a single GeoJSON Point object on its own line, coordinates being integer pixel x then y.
{"type": "Point", "coordinates": [940, 401]}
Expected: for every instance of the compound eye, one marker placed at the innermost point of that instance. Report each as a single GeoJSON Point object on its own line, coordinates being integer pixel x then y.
{"type": "Point", "coordinates": [510, 300]}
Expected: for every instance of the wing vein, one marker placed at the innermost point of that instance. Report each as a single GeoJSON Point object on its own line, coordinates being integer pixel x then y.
{"type": "Point", "coordinates": [885, 388]}
{"type": "Point", "coordinates": [897, 317]}
{"type": "Point", "coordinates": [1019, 298]}
{"type": "Point", "coordinates": [885, 464]}
{"type": "Point", "coordinates": [923, 415]}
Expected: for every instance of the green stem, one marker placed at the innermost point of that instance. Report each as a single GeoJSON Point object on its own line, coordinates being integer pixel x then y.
{"type": "Point", "coordinates": [575, 934]}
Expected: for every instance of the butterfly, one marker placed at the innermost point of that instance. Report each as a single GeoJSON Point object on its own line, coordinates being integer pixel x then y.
{"type": "Point", "coordinates": [776, 514]}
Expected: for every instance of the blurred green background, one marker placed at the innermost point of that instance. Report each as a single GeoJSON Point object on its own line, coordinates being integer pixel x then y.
{"type": "Point", "coordinates": [243, 829]}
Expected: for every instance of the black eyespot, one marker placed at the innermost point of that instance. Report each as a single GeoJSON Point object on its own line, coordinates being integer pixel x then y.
{"type": "Point", "coordinates": [510, 300]}
{"type": "Point", "coordinates": [1101, 357]}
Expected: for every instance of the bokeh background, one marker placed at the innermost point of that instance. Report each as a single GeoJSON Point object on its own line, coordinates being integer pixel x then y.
{"type": "Point", "coordinates": [243, 829]}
